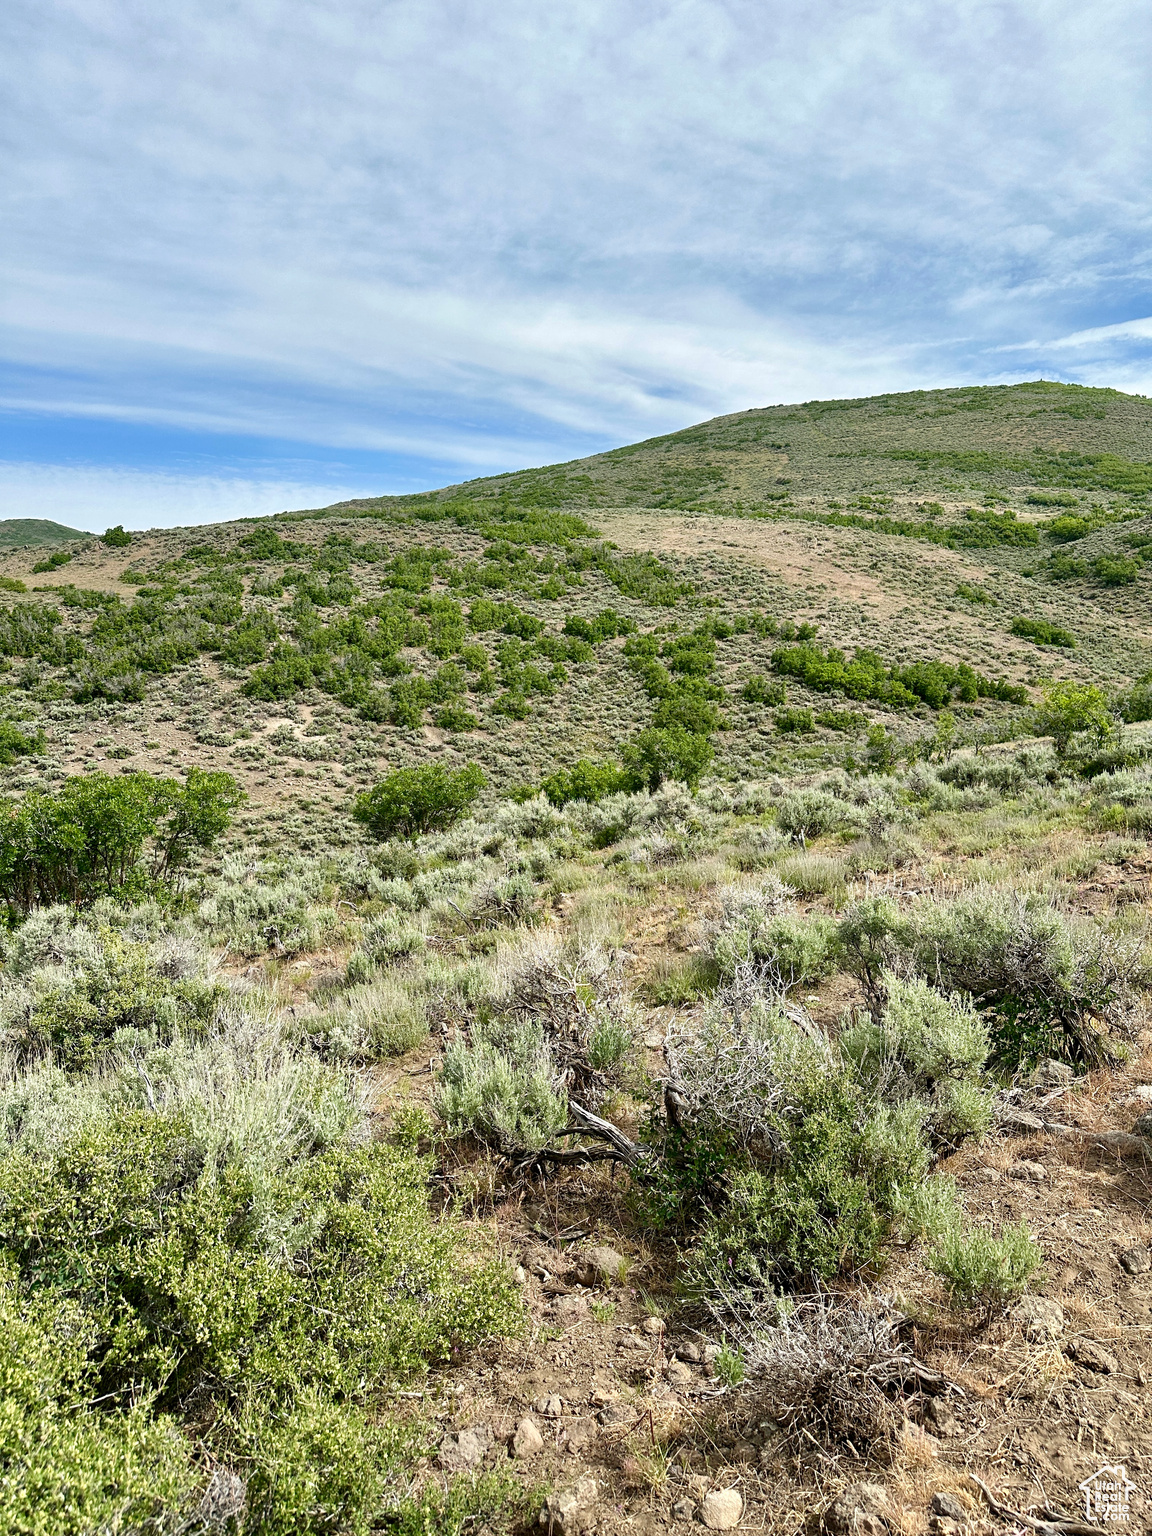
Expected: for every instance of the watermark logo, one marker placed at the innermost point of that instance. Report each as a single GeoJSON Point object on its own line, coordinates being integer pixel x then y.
{"type": "Point", "coordinates": [1108, 1495]}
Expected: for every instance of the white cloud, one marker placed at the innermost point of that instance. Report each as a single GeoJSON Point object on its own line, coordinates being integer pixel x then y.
{"type": "Point", "coordinates": [491, 235]}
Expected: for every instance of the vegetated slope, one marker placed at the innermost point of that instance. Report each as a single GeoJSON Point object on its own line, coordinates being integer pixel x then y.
{"type": "Point", "coordinates": [1012, 440]}
{"type": "Point", "coordinates": [290, 1121]}
{"type": "Point", "coordinates": [395, 630]}
{"type": "Point", "coordinates": [32, 532]}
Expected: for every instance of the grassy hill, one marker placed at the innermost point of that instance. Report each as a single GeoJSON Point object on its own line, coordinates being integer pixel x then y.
{"type": "Point", "coordinates": [33, 532]}
{"type": "Point", "coordinates": [785, 874]}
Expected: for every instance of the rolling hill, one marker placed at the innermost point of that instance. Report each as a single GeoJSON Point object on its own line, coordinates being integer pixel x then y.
{"type": "Point", "coordinates": [732, 1102]}
{"type": "Point", "coordinates": [35, 532]}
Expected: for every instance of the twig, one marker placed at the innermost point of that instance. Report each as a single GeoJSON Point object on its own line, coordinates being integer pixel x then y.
{"type": "Point", "coordinates": [1056, 1527]}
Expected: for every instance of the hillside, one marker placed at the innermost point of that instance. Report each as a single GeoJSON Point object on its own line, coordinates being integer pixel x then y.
{"type": "Point", "coordinates": [35, 532]}
{"type": "Point", "coordinates": [727, 1109]}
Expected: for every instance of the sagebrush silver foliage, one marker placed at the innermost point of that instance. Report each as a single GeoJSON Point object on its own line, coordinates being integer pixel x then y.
{"type": "Point", "coordinates": [759, 931]}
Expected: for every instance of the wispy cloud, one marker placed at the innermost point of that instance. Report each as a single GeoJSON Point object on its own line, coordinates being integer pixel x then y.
{"type": "Point", "coordinates": [495, 235]}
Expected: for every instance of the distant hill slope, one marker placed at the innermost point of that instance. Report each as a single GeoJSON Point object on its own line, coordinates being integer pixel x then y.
{"type": "Point", "coordinates": [525, 620]}
{"type": "Point", "coordinates": [1008, 440]}
{"type": "Point", "coordinates": [30, 532]}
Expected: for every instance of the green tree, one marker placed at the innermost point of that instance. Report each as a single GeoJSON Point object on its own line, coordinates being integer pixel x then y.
{"type": "Point", "coordinates": [413, 801]}
{"type": "Point", "coordinates": [584, 780]}
{"type": "Point", "coordinates": [106, 836]}
{"type": "Point", "coordinates": [1071, 708]}
{"type": "Point", "coordinates": [883, 750]}
{"type": "Point", "coordinates": [672, 753]}
{"type": "Point", "coordinates": [115, 538]}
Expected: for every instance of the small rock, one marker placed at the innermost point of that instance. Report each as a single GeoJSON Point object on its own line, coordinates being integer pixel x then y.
{"type": "Point", "coordinates": [459, 1453]}
{"type": "Point", "coordinates": [521, 1275]}
{"type": "Point", "coordinates": [612, 1415]}
{"type": "Point", "coordinates": [1136, 1260]}
{"type": "Point", "coordinates": [1143, 1126]}
{"type": "Point", "coordinates": [572, 1510]}
{"type": "Point", "coordinates": [653, 1325]}
{"type": "Point", "coordinates": [1051, 1074]}
{"type": "Point", "coordinates": [1093, 1356]}
{"type": "Point", "coordinates": [578, 1435]}
{"type": "Point", "coordinates": [722, 1508]}
{"type": "Point", "coordinates": [1035, 1173]}
{"type": "Point", "coordinates": [939, 1418]}
{"type": "Point", "coordinates": [861, 1510]}
{"type": "Point", "coordinates": [710, 1351]}
{"type": "Point", "coordinates": [1019, 1122]}
{"type": "Point", "coordinates": [551, 1407]}
{"type": "Point", "coordinates": [1140, 1095]}
{"type": "Point", "coordinates": [948, 1505]}
{"type": "Point", "coordinates": [689, 1350]}
{"type": "Point", "coordinates": [679, 1375]}
{"type": "Point", "coordinates": [653, 1041]}
{"type": "Point", "coordinates": [1039, 1317]}
{"type": "Point", "coordinates": [600, 1266]}
{"type": "Point", "coordinates": [683, 1509]}
{"type": "Point", "coordinates": [527, 1441]}
{"type": "Point", "coordinates": [569, 1309]}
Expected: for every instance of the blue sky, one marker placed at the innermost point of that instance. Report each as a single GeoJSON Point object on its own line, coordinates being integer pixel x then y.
{"type": "Point", "coordinates": [268, 253]}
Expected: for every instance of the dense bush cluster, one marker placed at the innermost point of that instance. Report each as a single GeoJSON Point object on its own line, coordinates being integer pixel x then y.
{"type": "Point", "coordinates": [867, 676]}
{"type": "Point", "coordinates": [195, 1227]}
{"type": "Point", "coordinates": [90, 839]}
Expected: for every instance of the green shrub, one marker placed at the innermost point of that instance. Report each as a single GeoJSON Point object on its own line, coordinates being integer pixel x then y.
{"type": "Point", "coordinates": [608, 1045]}
{"type": "Point", "coordinates": [16, 743]}
{"type": "Point", "coordinates": [455, 717]}
{"type": "Point", "coordinates": [499, 1087]}
{"type": "Point", "coordinates": [414, 801]}
{"type": "Point", "coordinates": [1065, 567]}
{"type": "Point", "coordinates": [930, 1050]}
{"type": "Point", "coordinates": [1043, 632]}
{"type": "Point", "coordinates": [607, 625]}
{"type": "Point", "coordinates": [983, 1270]}
{"type": "Point", "coordinates": [52, 562]}
{"type": "Point", "coordinates": [71, 1468]}
{"type": "Point", "coordinates": [794, 720]}
{"type": "Point", "coordinates": [867, 677]}
{"type": "Point", "coordinates": [1051, 499]}
{"type": "Point", "coordinates": [973, 594]}
{"type": "Point", "coordinates": [116, 538]}
{"type": "Point", "coordinates": [1044, 982]}
{"type": "Point", "coordinates": [841, 720]}
{"type": "Point", "coordinates": [805, 813]}
{"type": "Point", "coordinates": [763, 690]}
{"type": "Point", "coordinates": [113, 993]}
{"type": "Point", "coordinates": [1112, 570]}
{"type": "Point", "coordinates": [1071, 709]}
{"type": "Point", "coordinates": [883, 750]}
{"type": "Point", "coordinates": [90, 839]}
{"type": "Point", "coordinates": [794, 1172]}
{"type": "Point", "coordinates": [758, 931]}
{"type": "Point", "coordinates": [345, 1281]}
{"type": "Point", "coordinates": [585, 780]}
{"type": "Point", "coordinates": [655, 755]}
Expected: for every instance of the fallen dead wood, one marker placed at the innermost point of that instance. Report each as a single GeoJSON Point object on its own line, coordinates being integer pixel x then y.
{"type": "Point", "coordinates": [615, 1146]}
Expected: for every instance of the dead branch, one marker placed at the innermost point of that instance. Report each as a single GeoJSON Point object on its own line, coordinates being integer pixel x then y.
{"type": "Point", "coordinates": [1057, 1525]}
